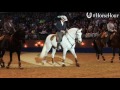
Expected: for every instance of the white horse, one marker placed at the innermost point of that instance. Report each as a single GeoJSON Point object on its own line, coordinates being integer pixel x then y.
{"type": "Point", "coordinates": [67, 43]}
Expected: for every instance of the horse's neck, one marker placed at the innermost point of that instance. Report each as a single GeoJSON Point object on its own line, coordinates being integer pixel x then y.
{"type": "Point", "coordinates": [72, 33]}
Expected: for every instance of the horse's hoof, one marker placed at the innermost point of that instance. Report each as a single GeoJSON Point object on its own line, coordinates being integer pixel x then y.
{"type": "Point", "coordinates": [3, 66]}
{"type": "Point", "coordinates": [78, 65]}
{"type": "Point", "coordinates": [7, 67]}
{"type": "Point", "coordinates": [111, 61]}
{"type": "Point", "coordinates": [98, 60]}
{"type": "Point", "coordinates": [21, 68]}
{"type": "Point", "coordinates": [63, 65]}
{"type": "Point", "coordinates": [53, 64]}
{"type": "Point", "coordinates": [44, 62]}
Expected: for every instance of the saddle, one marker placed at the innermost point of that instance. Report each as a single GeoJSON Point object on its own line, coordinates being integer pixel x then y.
{"type": "Point", "coordinates": [101, 38]}
{"type": "Point", "coordinates": [53, 36]}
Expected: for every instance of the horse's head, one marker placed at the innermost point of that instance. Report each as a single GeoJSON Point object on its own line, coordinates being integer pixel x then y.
{"type": "Point", "coordinates": [75, 33]}
{"type": "Point", "coordinates": [79, 35]}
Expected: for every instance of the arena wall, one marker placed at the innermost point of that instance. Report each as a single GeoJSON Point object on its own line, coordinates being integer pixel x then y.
{"type": "Point", "coordinates": [86, 48]}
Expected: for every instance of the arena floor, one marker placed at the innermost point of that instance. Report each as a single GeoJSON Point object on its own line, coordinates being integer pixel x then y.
{"type": "Point", "coordinates": [89, 67]}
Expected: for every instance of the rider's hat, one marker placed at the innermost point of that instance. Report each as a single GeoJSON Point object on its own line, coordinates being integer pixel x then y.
{"type": "Point", "coordinates": [63, 17]}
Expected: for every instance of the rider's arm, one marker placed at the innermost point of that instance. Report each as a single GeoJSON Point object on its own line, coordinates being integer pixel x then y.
{"type": "Point", "coordinates": [13, 27]}
{"type": "Point", "coordinates": [5, 27]}
{"type": "Point", "coordinates": [57, 26]}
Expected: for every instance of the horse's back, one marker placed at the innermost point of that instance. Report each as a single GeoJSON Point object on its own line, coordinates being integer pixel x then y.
{"type": "Point", "coordinates": [50, 37]}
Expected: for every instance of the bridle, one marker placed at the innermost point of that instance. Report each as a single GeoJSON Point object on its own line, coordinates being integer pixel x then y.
{"type": "Point", "coordinates": [72, 38]}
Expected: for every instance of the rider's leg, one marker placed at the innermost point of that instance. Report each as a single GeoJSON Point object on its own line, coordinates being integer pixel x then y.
{"type": "Point", "coordinates": [59, 35]}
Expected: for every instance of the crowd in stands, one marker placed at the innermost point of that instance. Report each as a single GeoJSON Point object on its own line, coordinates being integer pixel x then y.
{"type": "Point", "coordinates": [37, 25]}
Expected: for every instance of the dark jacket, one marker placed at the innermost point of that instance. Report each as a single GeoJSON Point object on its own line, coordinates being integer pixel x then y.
{"type": "Point", "coordinates": [9, 28]}
{"type": "Point", "coordinates": [58, 26]}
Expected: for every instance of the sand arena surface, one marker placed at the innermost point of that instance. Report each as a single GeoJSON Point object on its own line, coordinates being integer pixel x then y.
{"type": "Point", "coordinates": [89, 67]}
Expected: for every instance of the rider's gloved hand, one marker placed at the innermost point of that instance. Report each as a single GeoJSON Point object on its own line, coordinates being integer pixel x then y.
{"type": "Point", "coordinates": [66, 31]}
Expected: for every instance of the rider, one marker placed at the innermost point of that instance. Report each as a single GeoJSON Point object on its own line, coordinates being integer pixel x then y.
{"type": "Point", "coordinates": [9, 30]}
{"type": "Point", "coordinates": [61, 28]}
{"type": "Point", "coordinates": [102, 34]}
{"type": "Point", "coordinates": [9, 26]}
{"type": "Point", "coordinates": [111, 30]}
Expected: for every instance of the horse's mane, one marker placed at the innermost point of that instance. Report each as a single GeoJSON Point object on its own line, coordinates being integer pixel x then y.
{"type": "Point", "coordinates": [72, 29]}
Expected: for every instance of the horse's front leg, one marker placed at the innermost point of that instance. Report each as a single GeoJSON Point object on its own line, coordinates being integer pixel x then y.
{"type": "Point", "coordinates": [2, 63]}
{"type": "Point", "coordinates": [10, 60]}
{"type": "Point", "coordinates": [64, 57]}
{"type": "Point", "coordinates": [3, 52]}
{"type": "Point", "coordinates": [113, 55]}
{"type": "Point", "coordinates": [19, 61]}
{"type": "Point", "coordinates": [75, 56]}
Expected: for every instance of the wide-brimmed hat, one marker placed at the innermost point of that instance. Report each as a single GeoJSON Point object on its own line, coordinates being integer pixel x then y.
{"type": "Point", "coordinates": [63, 17]}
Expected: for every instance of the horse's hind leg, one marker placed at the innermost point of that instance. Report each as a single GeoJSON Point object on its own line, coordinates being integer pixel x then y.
{"type": "Point", "coordinates": [98, 56]}
{"type": "Point", "coordinates": [75, 56]}
{"type": "Point", "coordinates": [64, 57]}
{"type": "Point", "coordinates": [9, 61]}
{"type": "Point", "coordinates": [3, 52]}
{"type": "Point", "coordinates": [113, 55]}
{"type": "Point", "coordinates": [46, 54]}
{"type": "Point", "coordinates": [2, 63]}
{"type": "Point", "coordinates": [19, 61]}
{"type": "Point", "coordinates": [53, 54]}
{"type": "Point", "coordinates": [102, 54]}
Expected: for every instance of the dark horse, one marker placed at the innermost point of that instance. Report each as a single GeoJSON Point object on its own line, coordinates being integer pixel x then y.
{"type": "Point", "coordinates": [99, 44]}
{"type": "Point", "coordinates": [15, 43]}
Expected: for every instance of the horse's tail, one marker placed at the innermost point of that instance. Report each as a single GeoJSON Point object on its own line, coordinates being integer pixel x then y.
{"type": "Point", "coordinates": [43, 53]}
{"type": "Point", "coordinates": [46, 48]}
